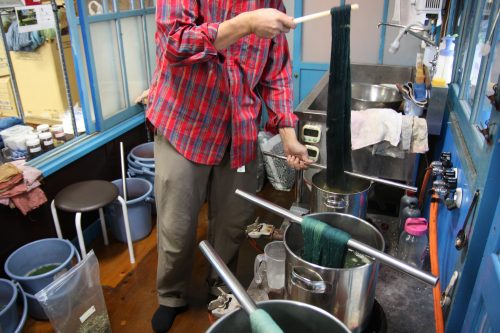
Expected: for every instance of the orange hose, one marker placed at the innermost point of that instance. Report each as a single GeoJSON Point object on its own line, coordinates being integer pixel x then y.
{"type": "Point", "coordinates": [423, 187]}
{"type": "Point", "coordinates": [433, 243]}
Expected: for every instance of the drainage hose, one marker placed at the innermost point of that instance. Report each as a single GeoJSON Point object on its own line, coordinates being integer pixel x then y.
{"type": "Point", "coordinates": [423, 187]}
{"type": "Point", "coordinates": [433, 243]}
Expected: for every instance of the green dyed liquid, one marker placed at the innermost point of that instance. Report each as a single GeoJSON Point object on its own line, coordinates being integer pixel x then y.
{"type": "Point", "coordinates": [43, 269]}
{"type": "Point", "coordinates": [355, 259]}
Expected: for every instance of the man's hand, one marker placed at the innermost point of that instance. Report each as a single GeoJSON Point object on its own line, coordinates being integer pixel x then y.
{"type": "Point", "coordinates": [296, 153]}
{"type": "Point", "coordinates": [268, 22]}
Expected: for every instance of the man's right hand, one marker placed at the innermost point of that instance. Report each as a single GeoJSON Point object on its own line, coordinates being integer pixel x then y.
{"type": "Point", "coordinates": [268, 22]}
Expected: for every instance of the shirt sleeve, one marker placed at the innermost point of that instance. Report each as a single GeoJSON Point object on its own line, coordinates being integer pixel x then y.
{"type": "Point", "coordinates": [181, 37]}
{"type": "Point", "coordinates": [276, 86]}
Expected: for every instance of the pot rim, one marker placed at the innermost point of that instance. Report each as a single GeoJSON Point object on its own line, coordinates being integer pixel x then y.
{"type": "Point", "coordinates": [373, 260]}
{"type": "Point", "coordinates": [367, 189]}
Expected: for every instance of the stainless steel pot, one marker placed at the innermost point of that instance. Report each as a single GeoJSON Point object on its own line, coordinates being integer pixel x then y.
{"type": "Point", "coordinates": [354, 202]}
{"type": "Point", "coordinates": [367, 96]}
{"type": "Point", "coordinates": [289, 315]}
{"type": "Point", "coordinates": [347, 293]}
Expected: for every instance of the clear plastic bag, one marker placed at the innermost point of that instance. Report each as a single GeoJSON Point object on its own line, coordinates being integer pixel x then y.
{"type": "Point", "coordinates": [74, 302]}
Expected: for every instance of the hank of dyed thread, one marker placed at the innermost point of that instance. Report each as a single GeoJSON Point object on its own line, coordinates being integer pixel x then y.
{"type": "Point", "coordinates": [324, 245]}
{"type": "Point", "coordinates": [338, 135]}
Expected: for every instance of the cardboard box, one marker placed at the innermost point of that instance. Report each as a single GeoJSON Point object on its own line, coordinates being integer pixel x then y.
{"type": "Point", "coordinates": [41, 83]}
{"type": "Point", "coordinates": [7, 101]}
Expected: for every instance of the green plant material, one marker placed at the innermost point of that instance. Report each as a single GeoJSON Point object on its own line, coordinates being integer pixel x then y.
{"type": "Point", "coordinates": [97, 323]}
{"type": "Point", "coordinates": [43, 269]}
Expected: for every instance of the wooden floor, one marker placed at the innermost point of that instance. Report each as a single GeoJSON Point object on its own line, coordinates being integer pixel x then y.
{"type": "Point", "coordinates": [130, 290]}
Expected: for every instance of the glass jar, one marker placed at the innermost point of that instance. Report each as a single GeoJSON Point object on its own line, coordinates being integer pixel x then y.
{"type": "Point", "coordinates": [43, 128]}
{"type": "Point", "coordinates": [34, 147]}
{"type": "Point", "coordinates": [58, 134]}
{"type": "Point", "coordinates": [413, 242]}
{"type": "Point", "coordinates": [47, 141]}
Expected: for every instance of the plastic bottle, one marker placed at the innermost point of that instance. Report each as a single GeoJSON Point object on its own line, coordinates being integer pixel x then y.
{"type": "Point", "coordinates": [444, 67]}
{"type": "Point", "coordinates": [47, 141]}
{"type": "Point", "coordinates": [34, 147]}
{"type": "Point", "coordinates": [58, 134]}
{"type": "Point", "coordinates": [413, 242]}
{"type": "Point", "coordinates": [406, 200]}
{"type": "Point", "coordinates": [410, 211]}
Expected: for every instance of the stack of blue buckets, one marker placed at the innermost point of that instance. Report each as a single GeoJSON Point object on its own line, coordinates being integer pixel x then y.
{"type": "Point", "coordinates": [141, 162]}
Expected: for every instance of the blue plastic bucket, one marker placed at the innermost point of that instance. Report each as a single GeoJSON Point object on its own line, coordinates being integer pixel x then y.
{"type": "Point", "coordinates": [144, 153]}
{"type": "Point", "coordinates": [9, 315]}
{"type": "Point", "coordinates": [139, 200]}
{"type": "Point", "coordinates": [33, 256]}
{"type": "Point", "coordinates": [140, 165]}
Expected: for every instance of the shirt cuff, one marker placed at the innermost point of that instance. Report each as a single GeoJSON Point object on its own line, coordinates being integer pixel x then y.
{"type": "Point", "coordinates": [287, 119]}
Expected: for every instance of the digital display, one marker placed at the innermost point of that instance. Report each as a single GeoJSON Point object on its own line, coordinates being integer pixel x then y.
{"type": "Point", "coordinates": [312, 153]}
{"type": "Point", "coordinates": [311, 132]}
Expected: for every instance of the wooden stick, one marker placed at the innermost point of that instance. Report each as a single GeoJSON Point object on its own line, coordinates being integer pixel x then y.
{"type": "Point", "coordinates": [319, 15]}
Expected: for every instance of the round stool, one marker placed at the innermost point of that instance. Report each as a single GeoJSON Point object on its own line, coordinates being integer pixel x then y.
{"type": "Point", "coordinates": [87, 196]}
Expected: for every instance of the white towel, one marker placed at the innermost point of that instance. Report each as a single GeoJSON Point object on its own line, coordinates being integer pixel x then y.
{"type": "Point", "coordinates": [372, 126]}
{"type": "Point", "coordinates": [419, 143]}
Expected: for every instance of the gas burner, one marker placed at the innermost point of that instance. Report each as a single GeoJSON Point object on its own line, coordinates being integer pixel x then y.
{"type": "Point", "coordinates": [377, 322]}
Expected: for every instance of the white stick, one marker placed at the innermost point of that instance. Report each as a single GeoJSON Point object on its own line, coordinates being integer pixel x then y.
{"type": "Point", "coordinates": [319, 15]}
{"type": "Point", "coordinates": [124, 177]}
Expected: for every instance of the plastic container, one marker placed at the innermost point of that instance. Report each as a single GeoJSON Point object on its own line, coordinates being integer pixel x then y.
{"type": "Point", "coordinates": [412, 109]}
{"type": "Point", "coordinates": [58, 134]}
{"type": "Point", "coordinates": [34, 148]}
{"type": "Point", "coordinates": [444, 67]}
{"type": "Point", "coordinates": [43, 128]}
{"type": "Point", "coordinates": [413, 242]}
{"type": "Point", "coordinates": [75, 302]}
{"type": "Point", "coordinates": [47, 141]}
{"type": "Point", "coordinates": [274, 263]}
{"type": "Point", "coordinates": [9, 314]}
{"type": "Point", "coordinates": [139, 200]}
{"type": "Point", "coordinates": [37, 264]}
{"type": "Point", "coordinates": [410, 211]}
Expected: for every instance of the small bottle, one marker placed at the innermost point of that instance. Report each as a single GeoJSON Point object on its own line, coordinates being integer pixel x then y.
{"type": "Point", "coordinates": [413, 242]}
{"type": "Point", "coordinates": [43, 128]}
{"type": "Point", "coordinates": [410, 211]}
{"type": "Point", "coordinates": [58, 134]}
{"type": "Point", "coordinates": [444, 67]}
{"type": "Point", "coordinates": [34, 147]}
{"type": "Point", "coordinates": [47, 141]}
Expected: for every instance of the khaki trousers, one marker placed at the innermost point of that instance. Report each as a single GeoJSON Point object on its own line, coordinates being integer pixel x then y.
{"type": "Point", "coordinates": [181, 188]}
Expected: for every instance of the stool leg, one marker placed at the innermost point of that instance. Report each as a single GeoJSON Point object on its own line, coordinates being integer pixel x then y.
{"type": "Point", "coordinates": [78, 224]}
{"type": "Point", "coordinates": [127, 229]}
{"type": "Point", "coordinates": [103, 226]}
{"type": "Point", "coordinates": [56, 219]}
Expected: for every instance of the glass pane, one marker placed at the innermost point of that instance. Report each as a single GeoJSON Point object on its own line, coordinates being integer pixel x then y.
{"type": "Point", "coordinates": [129, 4]}
{"type": "Point", "coordinates": [485, 109]}
{"type": "Point", "coordinates": [135, 57]}
{"type": "Point", "coordinates": [462, 55]}
{"type": "Point", "coordinates": [478, 56]}
{"type": "Point", "coordinates": [97, 7]}
{"type": "Point", "coordinates": [107, 65]}
{"type": "Point", "coordinates": [151, 27]}
{"type": "Point", "coordinates": [149, 3]}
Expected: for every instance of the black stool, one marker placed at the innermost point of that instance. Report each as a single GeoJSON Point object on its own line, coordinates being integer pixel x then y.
{"type": "Point", "coordinates": [87, 196]}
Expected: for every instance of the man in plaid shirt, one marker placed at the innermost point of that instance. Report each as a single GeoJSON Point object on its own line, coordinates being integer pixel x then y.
{"type": "Point", "coordinates": [216, 61]}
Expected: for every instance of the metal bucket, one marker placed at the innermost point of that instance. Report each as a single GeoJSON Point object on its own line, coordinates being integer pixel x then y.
{"type": "Point", "coordinates": [347, 293]}
{"type": "Point", "coordinates": [290, 317]}
{"type": "Point", "coordinates": [353, 203]}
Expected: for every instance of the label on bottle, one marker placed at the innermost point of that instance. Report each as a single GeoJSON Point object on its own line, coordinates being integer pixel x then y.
{"type": "Point", "coordinates": [35, 149]}
{"type": "Point", "coordinates": [48, 142]}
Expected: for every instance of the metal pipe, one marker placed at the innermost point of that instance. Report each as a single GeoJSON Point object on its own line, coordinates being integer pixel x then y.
{"type": "Point", "coordinates": [246, 302]}
{"type": "Point", "coordinates": [352, 243]}
{"type": "Point", "coordinates": [354, 174]}
{"type": "Point", "coordinates": [399, 26]}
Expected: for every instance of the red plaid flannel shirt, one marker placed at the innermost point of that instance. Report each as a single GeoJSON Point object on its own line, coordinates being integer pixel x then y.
{"type": "Point", "coordinates": [200, 98]}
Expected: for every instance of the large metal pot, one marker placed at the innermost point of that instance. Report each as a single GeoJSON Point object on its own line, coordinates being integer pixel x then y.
{"type": "Point", "coordinates": [353, 202]}
{"type": "Point", "coordinates": [290, 317]}
{"type": "Point", "coordinates": [368, 96]}
{"type": "Point", "coordinates": [347, 293]}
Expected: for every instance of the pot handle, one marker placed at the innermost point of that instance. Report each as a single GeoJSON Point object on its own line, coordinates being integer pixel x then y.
{"type": "Point", "coordinates": [335, 202]}
{"type": "Point", "coordinates": [259, 259]}
{"type": "Point", "coordinates": [313, 286]}
{"type": "Point", "coordinates": [20, 326]}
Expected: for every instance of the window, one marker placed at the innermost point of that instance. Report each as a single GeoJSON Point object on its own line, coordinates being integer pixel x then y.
{"type": "Point", "coordinates": [476, 68]}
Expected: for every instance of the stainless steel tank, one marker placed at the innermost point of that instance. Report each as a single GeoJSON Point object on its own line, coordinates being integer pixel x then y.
{"type": "Point", "coordinates": [347, 293]}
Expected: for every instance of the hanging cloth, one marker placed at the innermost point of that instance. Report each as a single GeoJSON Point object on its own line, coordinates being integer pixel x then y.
{"type": "Point", "coordinates": [338, 118]}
